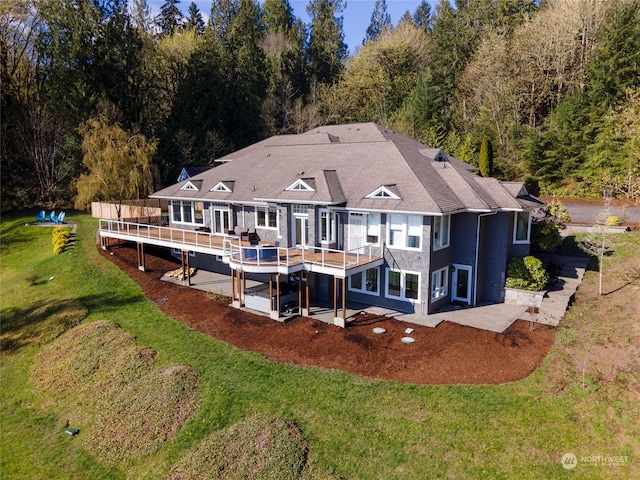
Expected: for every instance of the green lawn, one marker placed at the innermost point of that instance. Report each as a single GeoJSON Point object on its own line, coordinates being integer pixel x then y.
{"type": "Point", "coordinates": [355, 427]}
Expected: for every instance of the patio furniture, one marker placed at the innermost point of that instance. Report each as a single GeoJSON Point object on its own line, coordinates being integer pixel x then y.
{"type": "Point", "coordinates": [41, 216]}
{"type": "Point", "coordinates": [249, 236]}
{"type": "Point", "coordinates": [60, 217]}
{"type": "Point", "coordinates": [52, 216]}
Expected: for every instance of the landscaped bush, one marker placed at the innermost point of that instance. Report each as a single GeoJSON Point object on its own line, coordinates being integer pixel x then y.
{"type": "Point", "coordinates": [60, 239]}
{"type": "Point", "coordinates": [545, 230]}
{"type": "Point", "coordinates": [612, 221]}
{"type": "Point", "coordinates": [526, 273]}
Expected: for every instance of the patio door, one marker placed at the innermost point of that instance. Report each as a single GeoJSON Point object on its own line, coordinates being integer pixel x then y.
{"type": "Point", "coordinates": [357, 230]}
{"type": "Point", "coordinates": [301, 225]}
{"type": "Point", "coordinates": [461, 282]}
{"type": "Point", "coordinates": [220, 220]}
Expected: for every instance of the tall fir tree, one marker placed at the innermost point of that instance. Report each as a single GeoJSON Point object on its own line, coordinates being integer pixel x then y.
{"type": "Point", "coordinates": [422, 17]}
{"type": "Point", "coordinates": [326, 50]}
{"type": "Point", "coordinates": [170, 17]}
{"type": "Point", "coordinates": [195, 20]}
{"type": "Point", "coordinates": [380, 21]}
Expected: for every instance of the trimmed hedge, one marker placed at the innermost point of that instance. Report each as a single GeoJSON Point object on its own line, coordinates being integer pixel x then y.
{"type": "Point", "coordinates": [60, 239]}
{"type": "Point", "coordinates": [526, 273]}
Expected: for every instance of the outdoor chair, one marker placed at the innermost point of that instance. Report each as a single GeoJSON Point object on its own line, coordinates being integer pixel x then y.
{"type": "Point", "coordinates": [60, 218]}
{"type": "Point", "coordinates": [41, 216]}
{"type": "Point", "coordinates": [52, 216]}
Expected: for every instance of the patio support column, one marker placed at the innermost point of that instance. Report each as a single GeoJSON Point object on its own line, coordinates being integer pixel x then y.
{"type": "Point", "coordinates": [278, 296]}
{"type": "Point", "coordinates": [339, 321]}
{"type": "Point", "coordinates": [233, 285]}
{"type": "Point", "coordinates": [244, 285]}
{"type": "Point", "coordinates": [344, 300]}
{"type": "Point", "coordinates": [141, 256]}
{"type": "Point", "coordinates": [270, 293]}
{"type": "Point", "coordinates": [335, 296]}
{"type": "Point", "coordinates": [186, 254]}
{"type": "Point", "coordinates": [308, 301]}
{"type": "Point", "coordinates": [300, 293]}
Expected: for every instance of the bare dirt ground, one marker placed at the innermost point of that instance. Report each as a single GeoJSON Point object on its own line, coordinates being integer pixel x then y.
{"type": "Point", "coordinates": [447, 354]}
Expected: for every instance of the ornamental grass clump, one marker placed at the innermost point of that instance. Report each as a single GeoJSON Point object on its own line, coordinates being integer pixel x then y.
{"type": "Point", "coordinates": [60, 239]}
{"type": "Point", "coordinates": [526, 273]}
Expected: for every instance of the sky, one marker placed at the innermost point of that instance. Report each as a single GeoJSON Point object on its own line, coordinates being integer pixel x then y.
{"type": "Point", "coordinates": [356, 15]}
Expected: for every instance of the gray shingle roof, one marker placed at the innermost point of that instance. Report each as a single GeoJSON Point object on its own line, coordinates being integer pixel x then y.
{"type": "Point", "coordinates": [345, 163]}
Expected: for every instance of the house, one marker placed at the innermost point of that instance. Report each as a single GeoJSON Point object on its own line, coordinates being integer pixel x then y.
{"type": "Point", "coordinates": [346, 211]}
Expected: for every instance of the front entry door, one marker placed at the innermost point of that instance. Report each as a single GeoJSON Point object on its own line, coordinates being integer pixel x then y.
{"type": "Point", "coordinates": [302, 230]}
{"type": "Point", "coordinates": [461, 280]}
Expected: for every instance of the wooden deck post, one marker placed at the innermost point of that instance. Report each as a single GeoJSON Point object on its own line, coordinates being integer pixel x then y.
{"type": "Point", "coordinates": [335, 296]}
{"type": "Point", "coordinates": [141, 256]}
{"type": "Point", "coordinates": [278, 295]}
{"type": "Point", "coordinates": [344, 300]}
{"type": "Point", "coordinates": [244, 285]}
{"type": "Point", "coordinates": [233, 285]}
{"type": "Point", "coordinates": [188, 269]}
{"type": "Point", "coordinates": [308, 301]}
{"type": "Point", "coordinates": [300, 293]}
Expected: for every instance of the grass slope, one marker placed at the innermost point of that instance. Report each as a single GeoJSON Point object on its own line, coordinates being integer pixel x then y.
{"type": "Point", "coordinates": [348, 427]}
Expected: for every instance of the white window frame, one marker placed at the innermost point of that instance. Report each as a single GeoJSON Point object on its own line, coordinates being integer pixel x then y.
{"type": "Point", "coordinates": [191, 204]}
{"type": "Point", "coordinates": [438, 222]}
{"type": "Point", "coordinates": [328, 234]}
{"type": "Point", "coordinates": [189, 187]}
{"type": "Point", "coordinates": [439, 284]}
{"type": "Point", "coordinates": [403, 285]}
{"type": "Point", "coordinates": [220, 187]}
{"type": "Point", "coordinates": [266, 211]}
{"type": "Point", "coordinates": [515, 228]}
{"type": "Point", "coordinates": [364, 281]}
{"type": "Point", "coordinates": [404, 230]}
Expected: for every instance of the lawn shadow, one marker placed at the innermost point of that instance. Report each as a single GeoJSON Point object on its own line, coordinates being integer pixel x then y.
{"type": "Point", "coordinates": [45, 320]}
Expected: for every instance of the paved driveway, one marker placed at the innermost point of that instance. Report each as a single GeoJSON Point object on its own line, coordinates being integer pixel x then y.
{"type": "Point", "coordinates": [583, 213]}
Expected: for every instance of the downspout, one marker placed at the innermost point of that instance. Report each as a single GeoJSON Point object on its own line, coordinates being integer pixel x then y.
{"type": "Point", "coordinates": [475, 270]}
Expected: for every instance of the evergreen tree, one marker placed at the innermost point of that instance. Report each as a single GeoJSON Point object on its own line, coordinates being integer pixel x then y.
{"type": "Point", "coordinates": [222, 14]}
{"type": "Point", "coordinates": [614, 66]}
{"type": "Point", "coordinates": [194, 20]}
{"type": "Point", "coordinates": [422, 16]}
{"type": "Point", "coordinates": [485, 159]}
{"type": "Point", "coordinates": [326, 50]}
{"type": "Point", "coordinates": [380, 21]}
{"type": "Point", "coordinates": [170, 17]}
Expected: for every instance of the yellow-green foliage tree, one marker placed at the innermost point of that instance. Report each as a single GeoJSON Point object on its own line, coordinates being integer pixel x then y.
{"type": "Point", "coordinates": [60, 239]}
{"type": "Point", "coordinates": [118, 162]}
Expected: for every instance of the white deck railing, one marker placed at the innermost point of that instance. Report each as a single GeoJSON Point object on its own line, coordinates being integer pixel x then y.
{"type": "Point", "coordinates": [231, 247]}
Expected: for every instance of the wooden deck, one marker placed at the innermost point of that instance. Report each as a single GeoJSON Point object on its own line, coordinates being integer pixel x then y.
{"type": "Point", "coordinates": [251, 258]}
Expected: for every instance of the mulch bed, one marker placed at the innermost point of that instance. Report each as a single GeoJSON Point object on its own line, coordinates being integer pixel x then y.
{"type": "Point", "coordinates": [447, 354]}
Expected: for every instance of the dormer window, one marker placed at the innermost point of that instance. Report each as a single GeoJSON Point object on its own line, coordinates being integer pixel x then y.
{"type": "Point", "coordinates": [221, 187]}
{"type": "Point", "coordinates": [189, 186]}
{"type": "Point", "coordinates": [440, 157]}
{"type": "Point", "coordinates": [383, 192]}
{"type": "Point", "coordinates": [300, 186]}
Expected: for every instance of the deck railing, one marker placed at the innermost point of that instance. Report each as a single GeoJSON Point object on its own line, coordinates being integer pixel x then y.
{"type": "Point", "coordinates": [187, 238]}
{"type": "Point", "coordinates": [239, 253]}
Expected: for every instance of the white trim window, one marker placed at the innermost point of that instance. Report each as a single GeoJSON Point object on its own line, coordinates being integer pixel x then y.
{"type": "Point", "coordinates": [328, 226]}
{"type": "Point", "coordinates": [186, 211]}
{"type": "Point", "coordinates": [441, 231]}
{"type": "Point", "coordinates": [439, 284]}
{"type": "Point", "coordinates": [404, 231]}
{"type": "Point", "coordinates": [403, 285]}
{"type": "Point", "coordinates": [522, 227]}
{"type": "Point", "coordinates": [267, 217]}
{"type": "Point", "coordinates": [366, 282]}
{"type": "Point", "coordinates": [221, 219]}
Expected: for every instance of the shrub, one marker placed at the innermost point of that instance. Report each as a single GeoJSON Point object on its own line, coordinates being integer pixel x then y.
{"type": "Point", "coordinates": [526, 273]}
{"type": "Point", "coordinates": [545, 231]}
{"type": "Point", "coordinates": [612, 221]}
{"type": "Point", "coordinates": [60, 239]}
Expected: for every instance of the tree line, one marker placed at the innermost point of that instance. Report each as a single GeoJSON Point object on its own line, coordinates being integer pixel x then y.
{"type": "Point", "coordinates": [542, 91]}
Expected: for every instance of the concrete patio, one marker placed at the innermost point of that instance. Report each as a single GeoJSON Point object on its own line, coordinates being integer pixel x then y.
{"type": "Point", "coordinates": [494, 317]}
